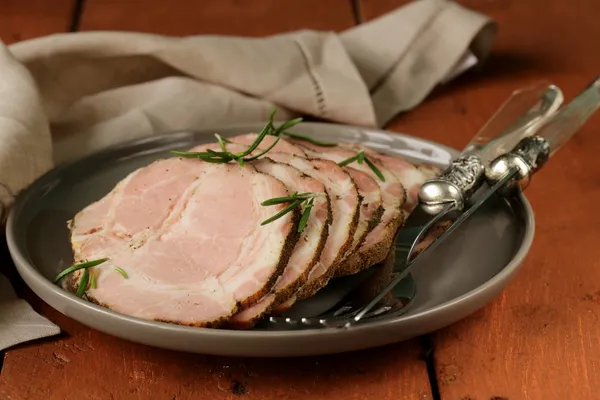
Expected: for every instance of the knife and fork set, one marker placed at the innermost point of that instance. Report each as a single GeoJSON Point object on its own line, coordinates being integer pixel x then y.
{"type": "Point", "coordinates": [500, 160]}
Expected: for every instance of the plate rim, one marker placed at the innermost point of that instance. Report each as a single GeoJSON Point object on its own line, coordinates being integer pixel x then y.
{"type": "Point", "coordinates": [27, 270]}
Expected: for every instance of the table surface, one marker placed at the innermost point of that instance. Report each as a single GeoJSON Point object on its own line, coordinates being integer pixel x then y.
{"type": "Point", "coordinates": [538, 340]}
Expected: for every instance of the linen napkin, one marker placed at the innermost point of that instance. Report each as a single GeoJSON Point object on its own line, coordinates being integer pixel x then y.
{"type": "Point", "coordinates": [67, 95]}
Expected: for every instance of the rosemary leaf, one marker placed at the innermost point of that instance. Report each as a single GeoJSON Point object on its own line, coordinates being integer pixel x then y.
{"type": "Point", "coordinates": [272, 115]}
{"type": "Point", "coordinates": [224, 156]}
{"type": "Point", "coordinates": [83, 283]}
{"type": "Point", "coordinates": [305, 214]}
{"type": "Point", "coordinates": [73, 268]}
{"type": "Point", "coordinates": [293, 197]}
{"type": "Point", "coordinates": [361, 157]}
{"type": "Point", "coordinates": [348, 161]}
{"type": "Point", "coordinates": [122, 272]}
{"type": "Point", "coordinates": [289, 124]}
{"type": "Point", "coordinates": [221, 142]}
{"type": "Point", "coordinates": [222, 139]}
{"type": "Point", "coordinates": [375, 169]}
{"type": "Point", "coordinates": [282, 212]}
{"type": "Point", "coordinates": [264, 151]}
{"type": "Point", "coordinates": [93, 279]}
{"type": "Point", "coordinates": [265, 131]}
{"type": "Point", "coordinates": [308, 139]}
{"type": "Point", "coordinates": [185, 154]}
{"type": "Point", "coordinates": [214, 157]}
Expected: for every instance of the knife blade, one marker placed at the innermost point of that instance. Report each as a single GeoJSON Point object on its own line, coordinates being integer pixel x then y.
{"type": "Point", "coordinates": [508, 173]}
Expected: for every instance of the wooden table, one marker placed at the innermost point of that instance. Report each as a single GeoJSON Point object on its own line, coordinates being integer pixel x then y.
{"type": "Point", "coordinates": [538, 340]}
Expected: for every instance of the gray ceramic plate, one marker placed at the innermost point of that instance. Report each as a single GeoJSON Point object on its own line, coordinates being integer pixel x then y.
{"type": "Point", "coordinates": [461, 276]}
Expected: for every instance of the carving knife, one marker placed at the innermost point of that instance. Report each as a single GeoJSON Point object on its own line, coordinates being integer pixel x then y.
{"type": "Point", "coordinates": [505, 174]}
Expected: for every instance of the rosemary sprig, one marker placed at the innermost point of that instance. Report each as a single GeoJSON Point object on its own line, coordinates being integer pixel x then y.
{"type": "Point", "coordinates": [295, 200]}
{"type": "Point", "coordinates": [308, 139]}
{"type": "Point", "coordinates": [224, 156]}
{"type": "Point", "coordinates": [293, 197]}
{"type": "Point", "coordinates": [93, 279]}
{"type": "Point", "coordinates": [305, 214]}
{"type": "Point", "coordinates": [264, 151]}
{"type": "Point", "coordinates": [360, 157]}
{"type": "Point", "coordinates": [281, 213]}
{"type": "Point", "coordinates": [222, 142]}
{"type": "Point", "coordinates": [83, 284]}
{"type": "Point", "coordinates": [375, 169]}
{"type": "Point", "coordinates": [122, 272]}
{"type": "Point", "coordinates": [84, 265]}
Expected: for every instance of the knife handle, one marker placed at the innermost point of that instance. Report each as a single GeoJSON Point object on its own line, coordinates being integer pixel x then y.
{"type": "Point", "coordinates": [518, 117]}
{"type": "Point", "coordinates": [531, 153]}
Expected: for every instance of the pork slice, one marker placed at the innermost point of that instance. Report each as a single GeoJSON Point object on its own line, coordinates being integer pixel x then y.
{"type": "Point", "coordinates": [371, 208]}
{"type": "Point", "coordinates": [345, 203]}
{"type": "Point", "coordinates": [378, 241]}
{"type": "Point", "coordinates": [188, 235]}
{"type": "Point", "coordinates": [411, 176]}
{"type": "Point", "coordinates": [308, 248]}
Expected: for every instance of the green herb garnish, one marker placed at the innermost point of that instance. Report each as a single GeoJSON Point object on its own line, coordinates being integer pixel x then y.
{"type": "Point", "coordinates": [122, 272]}
{"type": "Point", "coordinates": [84, 265]}
{"type": "Point", "coordinates": [224, 156]}
{"type": "Point", "coordinates": [83, 283]}
{"type": "Point", "coordinates": [308, 139]}
{"type": "Point", "coordinates": [305, 214]}
{"type": "Point", "coordinates": [360, 158]}
{"type": "Point", "coordinates": [222, 142]}
{"type": "Point", "coordinates": [295, 200]}
{"type": "Point", "coordinates": [286, 199]}
{"type": "Point", "coordinates": [93, 279]}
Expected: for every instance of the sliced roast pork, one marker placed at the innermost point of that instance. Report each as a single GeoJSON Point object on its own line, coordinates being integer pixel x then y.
{"type": "Point", "coordinates": [308, 248]}
{"type": "Point", "coordinates": [188, 237]}
{"type": "Point", "coordinates": [345, 210]}
{"type": "Point", "coordinates": [371, 208]}
{"type": "Point", "coordinates": [411, 176]}
{"type": "Point", "coordinates": [376, 245]}
{"type": "Point", "coordinates": [345, 204]}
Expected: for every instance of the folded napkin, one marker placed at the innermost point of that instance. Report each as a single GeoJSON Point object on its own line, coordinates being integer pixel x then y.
{"type": "Point", "coordinates": [67, 95]}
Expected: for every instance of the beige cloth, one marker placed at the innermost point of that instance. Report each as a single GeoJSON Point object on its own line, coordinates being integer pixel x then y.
{"type": "Point", "coordinates": [67, 95]}
{"type": "Point", "coordinates": [18, 322]}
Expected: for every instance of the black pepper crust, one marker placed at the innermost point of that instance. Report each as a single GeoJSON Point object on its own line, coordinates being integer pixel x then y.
{"type": "Point", "coordinates": [313, 287]}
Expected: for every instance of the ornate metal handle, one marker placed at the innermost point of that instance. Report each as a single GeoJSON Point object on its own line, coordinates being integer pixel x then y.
{"type": "Point", "coordinates": [518, 117]}
{"type": "Point", "coordinates": [454, 185]}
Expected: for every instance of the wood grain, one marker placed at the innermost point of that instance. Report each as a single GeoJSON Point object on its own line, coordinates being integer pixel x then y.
{"type": "Point", "coordinates": [539, 339]}
{"type": "Point", "coordinates": [20, 20]}
{"type": "Point", "coordinates": [86, 364]}
{"type": "Point", "coordinates": [224, 17]}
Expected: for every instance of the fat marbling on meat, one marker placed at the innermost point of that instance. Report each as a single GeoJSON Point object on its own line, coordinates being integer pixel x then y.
{"type": "Point", "coordinates": [188, 235]}
{"type": "Point", "coordinates": [378, 241]}
{"type": "Point", "coordinates": [309, 247]}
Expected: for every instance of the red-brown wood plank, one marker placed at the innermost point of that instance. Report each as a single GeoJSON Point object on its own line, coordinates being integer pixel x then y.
{"type": "Point", "coordinates": [26, 19]}
{"type": "Point", "coordinates": [87, 364]}
{"type": "Point", "coordinates": [539, 339]}
{"type": "Point", "coordinates": [225, 17]}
